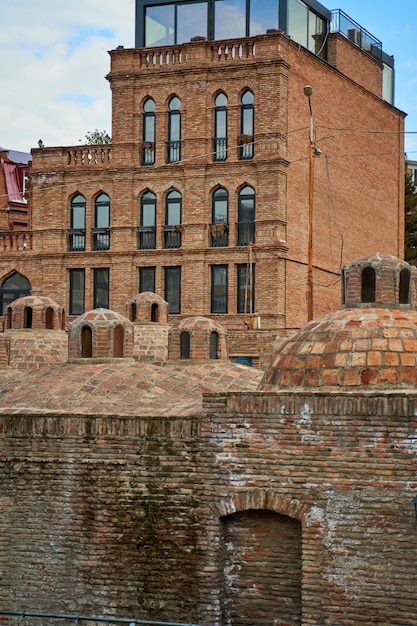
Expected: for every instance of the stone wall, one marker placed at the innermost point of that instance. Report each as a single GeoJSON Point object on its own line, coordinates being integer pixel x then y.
{"type": "Point", "coordinates": [292, 509]}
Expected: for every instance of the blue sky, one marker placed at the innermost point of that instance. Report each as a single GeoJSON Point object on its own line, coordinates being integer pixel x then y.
{"type": "Point", "coordinates": [53, 60]}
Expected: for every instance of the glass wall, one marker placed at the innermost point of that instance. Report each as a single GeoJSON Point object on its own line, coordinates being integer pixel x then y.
{"type": "Point", "coordinates": [163, 22]}
{"type": "Point", "coordinates": [227, 13]}
{"type": "Point", "coordinates": [191, 21]}
{"type": "Point", "coordinates": [263, 16]}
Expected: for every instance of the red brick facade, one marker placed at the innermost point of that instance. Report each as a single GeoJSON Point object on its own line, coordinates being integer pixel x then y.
{"type": "Point", "coordinates": [357, 187]}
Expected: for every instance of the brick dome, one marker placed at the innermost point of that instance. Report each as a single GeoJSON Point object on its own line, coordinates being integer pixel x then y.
{"type": "Point", "coordinates": [371, 344]}
{"type": "Point", "coordinates": [147, 307]}
{"type": "Point", "coordinates": [37, 312]}
{"type": "Point", "coordinates": [197, 337]}
{"type": "Point", "coordinates": [100, 333]}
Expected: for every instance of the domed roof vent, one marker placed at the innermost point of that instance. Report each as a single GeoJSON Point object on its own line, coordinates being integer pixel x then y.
{"type": "Point", "coordinates": [380, 279]}
{"type": "Point", "coordinates": [197, 338]}
{"type": "Point", "coordinates": [147, 307]}
{"type": "Point", "coordinates": [35, 312]}
{"type": "Point", "coordinates": [370, 344]}
{"type": "Point", "coordinates": [100, 334]}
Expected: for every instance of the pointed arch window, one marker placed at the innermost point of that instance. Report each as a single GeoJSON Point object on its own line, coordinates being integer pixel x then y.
{"type": "Point", "coordinates": [101, 230]}
{"type": "Point", "coordinates": [174, 131]}
{"type": "Point", "coordinates": [368, 284]}
{"type": "Point", "coordinates": [173, 210]}
{"type": "Point", "coordinates": [118, 341]}
{"type": "Point", "coordinates": [246, 216]}
{"type": "Point", "coordinates": [13, 287]}
{"type": "Point", "coordinates": [76, 231]}
{"type": "Point", "coordinates": [220, 128]}
{"type": "Point", "coordinates": [247, 126]}
{"type": "Point", "coordinates": [220, 219]}
{"type": "Point", "coordinates": [147, 228]}
{"type": "Point", "coordinates": [149, 132]}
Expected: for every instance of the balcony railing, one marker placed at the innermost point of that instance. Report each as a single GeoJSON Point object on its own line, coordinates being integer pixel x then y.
{"type": "Point", "coordinates": [148, 153]}
{"type": "Point", "coordinates": [245, 233]}
{"type": "Point", "coordinates": [172, 236]}
{"type": "Point", "coordinates": [101, 238]}
{"type": "Point", "coordinates": [76, 239]}
{"type": "Point", "coordinates": [246, 147]}
{"type": "Point", "coordinates": [219, 234]}
{"type": "Point", "coordinates": [220, 148]}
{"type": "Point", "coordinates": [147, 237]}
{"type": "Point", "coordinates": [173, 151]}
{"type": "Point", "coordinates": [342, 23]}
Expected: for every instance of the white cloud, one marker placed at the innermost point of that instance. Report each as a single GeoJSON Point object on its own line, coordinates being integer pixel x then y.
{"type": "Point", "coordinates": [54, 61]}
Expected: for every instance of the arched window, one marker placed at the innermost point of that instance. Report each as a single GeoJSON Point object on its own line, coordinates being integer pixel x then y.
{"type": "Point", "coordinates": [214, 345]}
{"type": "Point", "coordinates": [27, 317]}
{"type": "Point", "coordinates": [133, 312]}
{"type": "Point", "coordinates": [404, 291]}
{"type": "Point", "coordinates": [174, 130]}
{"type": "Point", "coordinates": [368, 284]}
{"type": "Point", "coordinates": [77, 224]}
{"type": "Point", "coordinates": [185, 345]}
{"type": "Point", "coordinates": [173, 210]}
{"type": "Point", "coordinates": [148, 149]}
{"type": "Point", "coordinates": [247, 126]}
{"type": "Point", "coordinates": [49, 318]}
{"type": "Point", "coordinates": [147, 228]}
{"type": "Point", "coordinates": [86, 342]}
{"type": "Point", "coordinates": [220, 219]}
{"type": "Point", "coordinates": [220, 128]}
{"type": "Point", "coordinates": [246, 216]}
{"type": "Point", "coordinates": [154, 312]}
{"type": "Point", "coordinates": [118, 339]}
{"type": "Point", "coordinates": [15, 286]}
{"type": "Point", "coordinates": [101, 230]}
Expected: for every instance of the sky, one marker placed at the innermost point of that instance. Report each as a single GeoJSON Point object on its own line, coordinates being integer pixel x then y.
{"type": "Point", "coordinates": [54, 58]}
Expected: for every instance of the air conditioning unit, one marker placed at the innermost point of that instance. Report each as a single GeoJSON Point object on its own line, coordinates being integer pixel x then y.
{"type": "Point", "coordinates": [355, 35]}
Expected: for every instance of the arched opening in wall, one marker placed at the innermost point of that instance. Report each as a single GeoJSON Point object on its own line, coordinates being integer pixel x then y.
{"type": "Point", "coordinates": [27, 317]}
{"type": "Point", "coordinates": [118, 340]}
{"type": "Point", "coordinates": [15, 286]}
{"type": "Point", "coordinates": [260, 552]}
{"type": "Point", "coordinates": [404, 291]}
{"type": "Point", "coordinates": [214, 345]}
{"type": "Point", "coordinates": [368, 284]}
{"type": "Point", "coordinates": [185, 345]}
{"type": "Point", "coordinates": [9, 318]}
{"type": "Point", "coordinates": [49, 318]}
{"type": "Point", "coordinates": [132, 312]}
{"type": "Point", "coordinates": [154, 312]}
{"type": "Point", "coordinates": [86, 343]}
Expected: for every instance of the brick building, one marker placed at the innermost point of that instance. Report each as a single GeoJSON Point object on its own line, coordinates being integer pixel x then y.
{"type": "Point", "coordinates": [205, 193]}
{"type": "Point", "coordinates": [209, 492]}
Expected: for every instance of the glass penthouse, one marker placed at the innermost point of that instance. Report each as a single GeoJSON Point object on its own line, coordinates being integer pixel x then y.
{"type": "Point", "coordinates": [163, 22]}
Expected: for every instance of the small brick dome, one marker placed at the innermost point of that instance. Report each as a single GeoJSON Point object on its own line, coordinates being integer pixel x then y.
{"type": "Point", "coordinates": [367, 345]}
{"type": "Point", "coordinates": [147, 307]}
{"type": "Point", "coordinates": [100, 333]}
{"type": "Point", "coordinates": [35, 312]}
{"type": "Point", "coordinates": [197, 338]}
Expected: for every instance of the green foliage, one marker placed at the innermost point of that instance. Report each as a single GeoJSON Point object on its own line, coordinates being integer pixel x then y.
{"type": "Point", "coordinates": [97, 137]}
{"type": "Point", "coordinates": [410, 209]}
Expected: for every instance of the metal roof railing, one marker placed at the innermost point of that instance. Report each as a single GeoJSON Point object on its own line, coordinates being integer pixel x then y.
{"type": "Point", "coordinates": [78, 619]}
